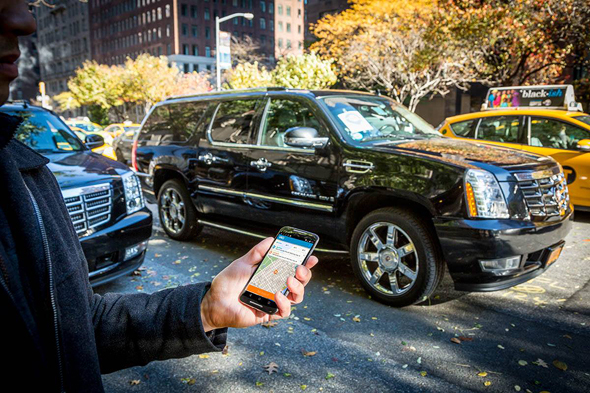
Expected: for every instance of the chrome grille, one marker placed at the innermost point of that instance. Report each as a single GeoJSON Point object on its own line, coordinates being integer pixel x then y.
{"type": "Point", "coordinates": [89, 206]}
{"type": "Point", "coordinates": [545, 193]}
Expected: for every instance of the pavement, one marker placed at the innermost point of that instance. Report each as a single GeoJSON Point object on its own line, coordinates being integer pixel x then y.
{"type": "Point", "coordinates": [531, 338]}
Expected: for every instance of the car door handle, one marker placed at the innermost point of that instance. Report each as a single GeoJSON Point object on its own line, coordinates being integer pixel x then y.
{"type": "Point", "coordinates": [261, 164]}
{"type": "Point", "coordinates": [209, 159]}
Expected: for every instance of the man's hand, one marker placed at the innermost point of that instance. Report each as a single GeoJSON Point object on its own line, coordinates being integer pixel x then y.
{"type": "Point", "coordinates": [221, 306]}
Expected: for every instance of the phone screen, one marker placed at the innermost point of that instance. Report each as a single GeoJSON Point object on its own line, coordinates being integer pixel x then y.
{"type": "Point", "coordinates": [280, 263]}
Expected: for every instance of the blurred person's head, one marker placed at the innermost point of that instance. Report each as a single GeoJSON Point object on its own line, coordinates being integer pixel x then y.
{"type": "Point", "coordinates": [15, 20]}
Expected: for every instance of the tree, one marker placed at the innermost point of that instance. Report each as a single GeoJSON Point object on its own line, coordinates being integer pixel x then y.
{"type": "Point", "coordinates": [248, 75]}
{"type": "Point", "coordinates": [143, 81]}
{"type": "Point", "coordinates": [520, 41]}
{"type": "Point", "coordinates": [245, 50]}
{"type": "Point", "coordinates": [390, 46]}
{"type": "Point", "coordinates": [307, 71]}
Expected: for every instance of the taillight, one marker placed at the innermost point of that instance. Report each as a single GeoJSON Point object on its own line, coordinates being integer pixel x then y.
{"type": "Point", "coordinates": [134, 155]}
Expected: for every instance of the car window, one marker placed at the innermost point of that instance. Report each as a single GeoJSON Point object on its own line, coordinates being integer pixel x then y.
{"type": "Point", "coordinates": [233, 121]}
{"type": "Point", "coordinates": [464, 128]}
{"type": "Point", "coordinates": [556, 134]}
{"type": "Point", "coordinates": [583, 119]}
{"type": "Point", "coordinates": [45, 133]}
{"type": "Point", "coordinates": [499, 129]}
{"type": "Point", "coordinates": [173, 123]}
{"type": "Point", "coordinates": [283, 114]}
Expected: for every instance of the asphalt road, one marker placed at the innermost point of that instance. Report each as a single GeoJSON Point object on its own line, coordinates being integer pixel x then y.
{"type": "Point", "coordinates": [339, 339]}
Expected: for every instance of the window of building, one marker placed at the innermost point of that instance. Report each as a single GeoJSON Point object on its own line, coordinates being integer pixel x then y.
{"type": "Point", "coordinates": [299, 12]}
{"type": "Point", "coordinates": [167, 30]}
{"type": "Point", "coordinates": [300, 45]}
{"type": "Point", "coordinates": [195, 50]}
{"type": "Point", "coordinates": [185, 49]}
{"type": "Point", "coordinates": [234, 3]}
{"type": "Point", "coordinates": [207, 15]}
{"type": "Point", "coordinates": [280, 9]}
{"type": "Point", "coordinates": [288, 27]}
{"type": "Point", "coordinates": [288, 44]}
{"type": "Point", "coordinates": [288, 11]}
{"type": "Point", "coordinates": [271, 25]}
{"type": "Point", "coordinates": [263, 39]}
{"type": "Point", "coordinates": [236, 21]}
{"type": "Point", "coordinates": [262, 6]}
{"type": "Point", "coordinates": [183, 10]}
{"type": "Point", "coordinates": [184, 29]}
{"type": "Point", "coordinates": [280, 26]}
{"type": "Point", "coordinates": [159, 13]}
{"type": "Point", "coordinates": [207, 32]}
{"type": "Point", "coordinates": [207, 51]}
{"type": "Point", "coordinates": [280, 42]}
{"type": "Point", "coordinates": [194, 31]}
{"type": "Point", "coordinates": [168, 49]}
{"type": "Point", "coordinates": [167, 10]}
{"type": "Point", "coordinates": [271, 7]}
{"type": "Point", "coordinates": [262, 23]}
{"type": "Point", "coordinates": [193, 11]}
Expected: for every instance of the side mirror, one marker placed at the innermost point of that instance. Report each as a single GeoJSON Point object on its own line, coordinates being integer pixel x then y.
{"type": "Point", "coordinates": [583, 145]}
{"type": "Point", "coordinates": [304, 137]}
{"type": "Point", "coordinates": [92, 141]}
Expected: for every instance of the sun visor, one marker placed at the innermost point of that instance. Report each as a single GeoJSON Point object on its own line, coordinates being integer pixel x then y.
{"type": "Point", "coordinates": [542, 97]}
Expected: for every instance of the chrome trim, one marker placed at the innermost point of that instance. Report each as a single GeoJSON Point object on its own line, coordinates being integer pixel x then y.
{"type": "Point", "coordinates": [358, 166]}
{"type": "Point", "coordinates": [259, 236]}
{"type": "Point", "coordinates": [82, 209]}
{"type": "Point", "coordinates": [311, 205]}
{"type": "Point", "coordinates": [524, 176]}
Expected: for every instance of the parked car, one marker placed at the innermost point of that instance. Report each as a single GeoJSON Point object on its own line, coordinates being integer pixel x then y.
{"type": "Point", "coordinates": [123, 143]}
{"type": "Point", "coordinates": [550, 124]}
{"type": "Point", "coordinates": [117, 129]}
{"type": "Point", "coordinates": [103, 197]}
{"type": "Point", "coordinates": [91, 128]}
{"type": "Point", "coordinates": [370, 177]}
{"type": "Point", "coordinates": [101, 148]}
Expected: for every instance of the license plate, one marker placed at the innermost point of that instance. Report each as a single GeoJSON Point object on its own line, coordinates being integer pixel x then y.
{"type": "Point", "coordinates": [554, 255]}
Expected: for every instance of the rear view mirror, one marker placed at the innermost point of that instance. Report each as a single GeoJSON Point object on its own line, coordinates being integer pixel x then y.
{"type": "Point", "coordinates": [583, 145]}
{"type": "Point", "coordinates": [304, 137]}
{"type": "Point", "coordinates": [92, 141]}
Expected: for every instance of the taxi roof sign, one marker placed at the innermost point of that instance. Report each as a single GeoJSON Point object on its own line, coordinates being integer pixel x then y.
{"type": "Point", "coordinates": [542, 97]}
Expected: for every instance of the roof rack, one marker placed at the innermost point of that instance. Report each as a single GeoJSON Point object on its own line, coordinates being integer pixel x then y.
{"type": "Point", "coordinates": [25, 103]}
{"type": "Point", "coordinates": [532, 97]}
{"type": "Point", "coordinates": [213, 93]}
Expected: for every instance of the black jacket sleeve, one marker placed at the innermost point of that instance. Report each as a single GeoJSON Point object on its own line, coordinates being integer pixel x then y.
{"type": "Point", "coordinates": [134, 329]}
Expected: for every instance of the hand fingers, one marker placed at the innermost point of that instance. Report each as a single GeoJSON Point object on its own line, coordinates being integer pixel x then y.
{"type": "Point", "coordinates": [303, 274]}
{"type": "Point", "coordinates": [283, 304]}
{"type": "Point", "coordinates": [296, 290]}
{"type": "Point", "coordinates": [311, 262]}
{"type": "Point", "coordinates": [257, 252]}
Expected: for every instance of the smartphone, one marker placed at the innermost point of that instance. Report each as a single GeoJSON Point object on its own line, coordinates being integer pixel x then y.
{"type": "Point", "coordinates": [290, 248]}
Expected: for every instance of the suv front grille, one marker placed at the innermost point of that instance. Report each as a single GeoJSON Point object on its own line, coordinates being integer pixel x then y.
{"type": "Point", "coordinates": [89, 207]}
{"type": "Point", "coordinates": [545, 193]}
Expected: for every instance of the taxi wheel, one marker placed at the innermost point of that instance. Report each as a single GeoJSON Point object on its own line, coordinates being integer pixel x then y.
{"type": "Point", "coordinates": [178, 215]}
{"type": "Point", "coordinates": [394, 255]}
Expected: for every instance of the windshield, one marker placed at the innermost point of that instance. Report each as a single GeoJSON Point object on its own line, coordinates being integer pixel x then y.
{"type": "Point", "coordinates": [583, 119]}
{"type": "Point", "coordinates": [134, 128]}
{"type": "Point", "coordinates": [88, 127]}
{"type": "Point", "coordinates": [377, 119]}
{"type": "Point", "coordinates": [45, 133]}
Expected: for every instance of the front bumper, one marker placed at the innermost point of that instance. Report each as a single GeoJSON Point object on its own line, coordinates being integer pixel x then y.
{"type": "Point", "coordinates": [105, 249]}
{"type": "Point", "coordinates": [465, 242]}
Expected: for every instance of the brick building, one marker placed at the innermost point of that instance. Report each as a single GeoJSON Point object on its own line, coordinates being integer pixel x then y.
{"type": "Point", "coordinates": [317, 9]}
{"type": "Point", "coordinates": [184, 30]}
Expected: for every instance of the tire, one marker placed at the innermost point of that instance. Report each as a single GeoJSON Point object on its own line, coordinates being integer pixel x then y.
{"type": "Point", "coordinates": [415, 275]}
{"type": "Point", "coordinates": [177, 212]}
{"type": "Point", "coordinates": [120, 157]}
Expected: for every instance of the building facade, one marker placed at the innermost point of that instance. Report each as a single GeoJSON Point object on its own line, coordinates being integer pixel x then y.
{"type": "Point", "coordinates": [184, 30]}
{"type": "Point", "coordinates": [317, 9]}
{"type": "Point", "coordinates": [63, 42]}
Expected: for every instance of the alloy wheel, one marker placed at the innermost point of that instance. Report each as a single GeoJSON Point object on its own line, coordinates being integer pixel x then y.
{"type": "Point", "coordinates": [173, 210]}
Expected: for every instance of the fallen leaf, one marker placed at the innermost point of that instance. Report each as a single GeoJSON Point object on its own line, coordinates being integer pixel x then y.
{"type": "Point", "coordinates": [463, 338]}
{"type": "Point", "coordinates": [156, 255]}
{"type": "Point", "coordinates": [517, 388]}
{"type": "Point", "coordinates": [261, 353]}
{"type": "Point", "coordinates": [560, 365]}
{"type": "Point", "coordinates": [214, 371]}
{"type": "Point", "coordinates": [134, 382]}
{"type": "Point", "coordinates": [308, 353]}
{"type": "Point", "coordinates": [225, 350]}
{"type": "Point", "coordinates": [522, 362]}
{"type": "Point", "coordinates": [307, 319]}
{"type": "Point", "coordinates": [356, 319]}
{"type": "Point", "coordinates": [330, 376]}
{"type": "Point", "coordinates": [567, 336]}
{"type": "Point", "coordinates": [455, 340]}
{"type": "Point", "coordinates": [419, 360]}
{"type": "Point", "coordinates": [139, 287]}
{"type": "Point", "coordinates": [501, 347]}
{"type": "Point", "coordinates": [259, 383]}
{"type": "Point", "coordinates": [272, 367]}
{"type": "Point", "coordinates": [269, 324]}
{"type": "Point", "coordinates": [287, 374]}
{"type": "Point", "coordinates": [487, 383]}
{"type": "Point", "coordinates": [541, 362]}
{"type": "Point", "coordinates": [176, 262]}
{"type": "Point", "coordinates": [136, 273]}
{"type": "Point", "coordinates": [203, 356]}
{"type": "Point", "coordinates": [188, 381]}
{"type": "Point", "coordinates": [423, 373]}
{"type": "Point", "coordinates": [303, 387]}
{"type": "Point", "coordinates": [405, 366]}
{"type": "Point", "coordinates": [482, 374]}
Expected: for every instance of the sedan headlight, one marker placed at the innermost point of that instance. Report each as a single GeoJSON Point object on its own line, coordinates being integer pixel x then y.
{"type": "Point", "coordinates": [484, 196]}
{"type": "Point", "coordinates": [133, 195]}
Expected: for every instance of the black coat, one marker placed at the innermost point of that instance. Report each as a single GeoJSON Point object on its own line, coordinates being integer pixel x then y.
{"type": "Point", "coordinates": [88, 334]}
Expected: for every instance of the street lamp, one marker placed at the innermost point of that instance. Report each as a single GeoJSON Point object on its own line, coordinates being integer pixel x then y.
{"type": "Point", "coordinates": [218, 20]}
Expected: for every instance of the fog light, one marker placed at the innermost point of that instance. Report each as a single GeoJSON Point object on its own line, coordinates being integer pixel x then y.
{"type": "Point", "coordinates": [500, 266]}
{"type": "Point", "coordinates": [135, 250]}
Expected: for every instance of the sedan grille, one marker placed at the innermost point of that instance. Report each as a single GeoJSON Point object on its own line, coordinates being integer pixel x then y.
{"type": "Point", "coordinates": [89, 207]}
{"type": "Point", "coordinates": [545, 193]}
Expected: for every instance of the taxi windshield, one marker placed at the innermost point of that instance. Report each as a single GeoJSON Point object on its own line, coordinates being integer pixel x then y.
{"type": "Point", "coordinates": [45, 133]}
{"type": "Point", "coordinates": [583, 119]}
{"type": "Point", "coordinates": [377, 119]}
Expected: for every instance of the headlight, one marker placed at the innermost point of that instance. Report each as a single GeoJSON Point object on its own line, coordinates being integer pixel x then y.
{"type": "Point", "coordinates": [133, 195]}
{"type": "Point", "coordinates": [484, 196]}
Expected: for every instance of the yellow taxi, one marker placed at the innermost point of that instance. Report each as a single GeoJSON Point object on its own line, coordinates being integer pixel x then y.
{"type": "Point", "coordinates": [117, 129]}
{"type": "Point", "coordinates": [105, 150]}
{"type": "Point", "coordinates": [541, 119]}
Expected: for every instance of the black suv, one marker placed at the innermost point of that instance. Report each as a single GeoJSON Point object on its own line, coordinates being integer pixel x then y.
{"type": "Point", "coordinates": [103, 197]}
{"type": "Point", "coordinates": [370, 177]}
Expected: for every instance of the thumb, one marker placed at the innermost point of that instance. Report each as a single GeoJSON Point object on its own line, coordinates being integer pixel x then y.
{"type": "Point", "coordinates": [257, 252]}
